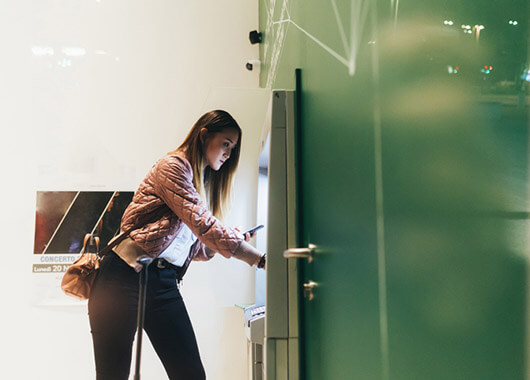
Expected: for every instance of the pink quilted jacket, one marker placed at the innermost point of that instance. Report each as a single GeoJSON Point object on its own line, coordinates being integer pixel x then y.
{"type": "Point", "coordinates": [167, 198]}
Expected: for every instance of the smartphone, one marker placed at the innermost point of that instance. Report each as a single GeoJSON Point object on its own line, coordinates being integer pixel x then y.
{"type": "Point", "coordinates": [252, 230]}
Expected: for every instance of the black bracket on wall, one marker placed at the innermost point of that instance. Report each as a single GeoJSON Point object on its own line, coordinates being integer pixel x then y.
{"type": "Point", "coordinates": [255, 37]}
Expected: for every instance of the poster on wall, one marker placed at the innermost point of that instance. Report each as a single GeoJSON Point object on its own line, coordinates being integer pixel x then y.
{"type": "Point", "coordinates": [62, 219]}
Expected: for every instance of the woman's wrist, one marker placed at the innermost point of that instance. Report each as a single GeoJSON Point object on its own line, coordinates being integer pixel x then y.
{"type": "Point", "coordinates": [248, 253]}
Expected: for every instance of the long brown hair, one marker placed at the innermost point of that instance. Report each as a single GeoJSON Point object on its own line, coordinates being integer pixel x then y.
{"type": "Point", "coordinates": [214, 186]}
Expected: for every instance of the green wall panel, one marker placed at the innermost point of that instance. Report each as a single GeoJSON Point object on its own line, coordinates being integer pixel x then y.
{"type": "Point", "coordinates": [417, 116]}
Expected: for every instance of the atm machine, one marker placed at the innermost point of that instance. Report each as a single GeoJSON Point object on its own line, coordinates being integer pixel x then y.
{"type": "Point", "coordinates": [272, 323]}
{"type": "Point", "coordinates": [281, 325]}
{"type": "Point", "coordinates": [255, 332]}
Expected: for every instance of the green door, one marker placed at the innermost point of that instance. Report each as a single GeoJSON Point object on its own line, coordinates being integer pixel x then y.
{"type": "Point", "coordinates": [413, 150]}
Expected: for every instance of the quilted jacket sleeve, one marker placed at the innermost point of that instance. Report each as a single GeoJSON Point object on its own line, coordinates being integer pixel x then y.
{"type": "Point", "coordinates": [172, 182]}
{"type": "Point", "coordinates": [200, 252]}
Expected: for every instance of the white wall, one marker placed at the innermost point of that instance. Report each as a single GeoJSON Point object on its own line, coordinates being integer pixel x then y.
{"type": "Point", "coordinates": [143, 73]}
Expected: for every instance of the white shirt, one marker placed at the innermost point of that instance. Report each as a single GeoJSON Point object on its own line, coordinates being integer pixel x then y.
{"type": "Point", "coordinates": [178, 250]}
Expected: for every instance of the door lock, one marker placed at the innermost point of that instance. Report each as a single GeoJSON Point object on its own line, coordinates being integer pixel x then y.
{"type": "Point", "coordinates": [308, 290]}
{"type": "Point", "coordinates": [303, 253]}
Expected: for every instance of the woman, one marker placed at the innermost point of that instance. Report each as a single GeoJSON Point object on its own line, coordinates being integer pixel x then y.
{"type": "Point", "coordinates": [169, 221]}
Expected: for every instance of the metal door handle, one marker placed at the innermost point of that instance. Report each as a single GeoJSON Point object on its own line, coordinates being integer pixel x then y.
{"type": "Point", "coordinates": [301, 253]}
{"type": "Point", "coordinates": [308, 290]}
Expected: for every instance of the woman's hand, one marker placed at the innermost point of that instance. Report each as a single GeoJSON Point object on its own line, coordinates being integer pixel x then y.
{"type": "Point", "coordinates": [246, 236]}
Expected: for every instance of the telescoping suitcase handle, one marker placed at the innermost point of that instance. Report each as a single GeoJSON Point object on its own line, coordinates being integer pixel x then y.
{"type": "Point", "coordinates": [144, 261]}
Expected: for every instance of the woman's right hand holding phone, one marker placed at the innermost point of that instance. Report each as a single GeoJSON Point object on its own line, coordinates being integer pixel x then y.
{"type": "Point", "coordinates": [250, 233]}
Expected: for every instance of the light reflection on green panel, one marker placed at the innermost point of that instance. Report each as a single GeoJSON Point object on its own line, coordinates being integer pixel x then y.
{"type": "Point", "coordinates": [456, 296]}
{"type": "Point", "coordinates": [453, 105]}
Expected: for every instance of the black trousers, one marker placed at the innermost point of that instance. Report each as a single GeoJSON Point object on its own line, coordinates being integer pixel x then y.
{"type": "Point", "coordinates": [112, 311]}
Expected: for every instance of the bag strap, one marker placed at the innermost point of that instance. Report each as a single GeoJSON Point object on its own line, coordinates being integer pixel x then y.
{"type": "Point", "coordinates": [184, 267]}
{"type": "Point", "coordinates": [87, 242]}
{"type": "Point", "coordinates": [121, 237]}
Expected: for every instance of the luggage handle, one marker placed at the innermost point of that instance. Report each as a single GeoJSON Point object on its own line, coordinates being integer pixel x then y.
{"type": "Point", "coordinates": [144, 261]}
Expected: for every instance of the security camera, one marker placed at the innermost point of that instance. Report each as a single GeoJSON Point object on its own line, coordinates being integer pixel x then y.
{"type": "Point", "coordinates": [254, 37]}
{"type": "Point", "coordinates": [253, 63]}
